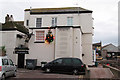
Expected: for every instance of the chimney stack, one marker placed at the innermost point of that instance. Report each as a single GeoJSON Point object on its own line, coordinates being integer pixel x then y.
{"type": "Point", "coordinates": [9, 18]}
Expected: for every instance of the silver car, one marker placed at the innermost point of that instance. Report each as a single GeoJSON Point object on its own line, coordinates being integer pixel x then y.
{"type": "Point", "coordinates": [7, 68]}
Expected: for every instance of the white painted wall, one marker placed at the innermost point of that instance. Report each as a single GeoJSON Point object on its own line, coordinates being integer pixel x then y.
{"type": "Point", "coordinates": [84, 20]}
{"type": "Point", "coordinates": [20, 41]}
{"type": "Point", "coordinates": [47, 19]}
{"type": "Point", "coordinates": [41, 51]}
{"type": "Point", "coordinates": [9, 41]}
{"type": "Point", "coordinates": [87, 49]}
{"type": "Point", "coordinates": [0, 35]}
{"type": "Point", "coordinates": [77, 38]}
{"type": "Point", "coordinates": [64, 42]}
{"type": "Point", "coordinates": [26, 17]}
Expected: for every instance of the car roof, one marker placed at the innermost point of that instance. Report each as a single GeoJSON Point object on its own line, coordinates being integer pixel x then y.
{"type": "Point", "coordinates": [68, 58]}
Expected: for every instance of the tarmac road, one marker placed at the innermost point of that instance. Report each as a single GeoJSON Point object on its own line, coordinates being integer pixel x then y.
{"type": "Point", "coordinates": [25, 74]}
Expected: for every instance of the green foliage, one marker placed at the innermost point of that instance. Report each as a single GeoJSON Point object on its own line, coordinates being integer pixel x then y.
{"type": "Point", "coordinates": [3, 49]}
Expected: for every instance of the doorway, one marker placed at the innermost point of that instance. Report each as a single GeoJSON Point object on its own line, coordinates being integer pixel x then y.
{"type": "Point", "coordinates": [21, 58]}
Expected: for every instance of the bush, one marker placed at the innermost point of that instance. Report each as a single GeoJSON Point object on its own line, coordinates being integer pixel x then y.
{"type": "Point", "coordinates": [3, 51]}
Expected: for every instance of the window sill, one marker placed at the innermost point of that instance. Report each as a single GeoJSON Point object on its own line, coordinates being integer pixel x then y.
{"type": "Point", "coordinates": [39, 42]}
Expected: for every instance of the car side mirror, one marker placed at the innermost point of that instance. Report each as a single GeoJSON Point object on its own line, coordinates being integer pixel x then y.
{"type": "Point", "coordinates": [13, 64]}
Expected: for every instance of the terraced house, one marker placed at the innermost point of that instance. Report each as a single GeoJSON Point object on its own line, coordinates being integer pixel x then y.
{"type": "Point", "coordinates": [59, 32]}
{"type": "Point", "coordinates": [14, 36]}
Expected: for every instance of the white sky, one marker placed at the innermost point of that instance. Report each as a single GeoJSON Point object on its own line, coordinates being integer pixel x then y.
{"type": "Point", "coordinates": [105, 14]}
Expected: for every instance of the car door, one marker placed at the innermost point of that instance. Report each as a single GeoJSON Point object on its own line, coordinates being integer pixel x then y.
{"type": "Point", "coordinates": [6, 66]}
{"type": "Point", "coordinates": [57, 65]}
{"type": "Point", "coordinates": [77, 63]}
{"type": "Point", "coordinates": [67, 64]}
{"type": "Point", "coordinates": [11, 67]}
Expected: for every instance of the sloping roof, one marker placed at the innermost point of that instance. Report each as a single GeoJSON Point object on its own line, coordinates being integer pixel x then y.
{"type": "Point", "coordinates": [108, 45]}
{"type": "Point", "coordinates": [19, 22]}
{"type": "Point", "coordinates": [63, 9]}
{"type": "Point", "coordinates": [110, 48]}
{"type": "Point", "coordinates": [14, 26]}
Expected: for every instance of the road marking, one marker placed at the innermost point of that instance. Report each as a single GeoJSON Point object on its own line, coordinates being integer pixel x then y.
{"type": "Point", "coordinates": [81, 76]}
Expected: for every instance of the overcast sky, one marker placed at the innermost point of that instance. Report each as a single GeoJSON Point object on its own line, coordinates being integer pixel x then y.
{"type": "Point", "coordinates": [105, 14]}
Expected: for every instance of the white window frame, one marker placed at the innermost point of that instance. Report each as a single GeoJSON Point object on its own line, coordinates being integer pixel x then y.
{"type": "Point", "coordinates": [41, 33]}
{"type": "Point", "coordinates": [40, 23]}
{"type": "Point", "coordinates": [54, 21]}
{"type": "Point", "coordinates": [69, 21]}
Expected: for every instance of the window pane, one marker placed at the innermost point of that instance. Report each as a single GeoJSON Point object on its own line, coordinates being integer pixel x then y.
{"type": "Point", "coordinates": [70, 21]}
{"type": "Point", "coordinates": [27, 23]}
{"type": "Point", "coordinates": [38, 22]}
{"type": "Point", "coordinates": [40, 35]}
{"type": "Point", "coordinates": [54, 21]}
{"type": "Point", "coordinates": [67, 61]}
{"type": "Point", "coordinates": [59, 61]}
{"type": "Point", "coordinates": [11, 63]}
{"type": "Point", "coordinates": [77, 62]}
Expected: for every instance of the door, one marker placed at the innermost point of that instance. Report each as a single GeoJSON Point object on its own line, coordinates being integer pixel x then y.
{"type": "Point", "coordinates": [6, 67]}
{"type": "Point", "coordinates": [67, 65]}
{"type": "Point", "coordinates": [77, 64]}
{"type": "Point", "coordinates": [12, 67]}
{"type": "Point", "coordinates": [21, 58]}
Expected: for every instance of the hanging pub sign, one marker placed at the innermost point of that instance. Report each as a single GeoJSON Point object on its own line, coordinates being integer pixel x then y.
{"type": "Point", "coordinates": [49, 37]}
{"type": "Point", "coordinates": [21, 51]}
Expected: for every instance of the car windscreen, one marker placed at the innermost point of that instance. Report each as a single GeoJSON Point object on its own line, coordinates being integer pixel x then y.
{"type": "Point", "coordinates": [5, 62]}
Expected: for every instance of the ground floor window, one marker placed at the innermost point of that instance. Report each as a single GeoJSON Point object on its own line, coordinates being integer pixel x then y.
{"type": "Point", "coordinates": [40, 36]}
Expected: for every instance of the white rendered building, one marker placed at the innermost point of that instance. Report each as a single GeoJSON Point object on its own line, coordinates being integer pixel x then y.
{"type": "Point", "coordinates": [72, 28]}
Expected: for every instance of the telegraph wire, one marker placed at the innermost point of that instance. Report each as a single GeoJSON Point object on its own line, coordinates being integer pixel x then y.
{"type": "Point", "coordinates": [30, 5]}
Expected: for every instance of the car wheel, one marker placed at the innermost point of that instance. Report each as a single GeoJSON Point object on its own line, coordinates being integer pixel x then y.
{"type": "Point", "coordinates": [3, 77]}
{"type": "Point", "coordinates": [75, 72]}
{"type": "Point", "coordinates": [47, 70]}
{"type": "Point", "coordinates": [15, 74]}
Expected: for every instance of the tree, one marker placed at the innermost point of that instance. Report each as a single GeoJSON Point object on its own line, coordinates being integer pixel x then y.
{"type": "Point", "coordinates": [3, 51]}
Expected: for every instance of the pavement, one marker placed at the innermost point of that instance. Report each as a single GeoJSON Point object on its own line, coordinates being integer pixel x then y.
{"type": "Point", "coordinates": [101, 73]}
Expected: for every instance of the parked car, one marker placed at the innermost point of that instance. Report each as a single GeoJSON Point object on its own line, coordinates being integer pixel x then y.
{"type": "Point", "coordinates": [7, 68]}
{"type": "Point", "coordinates": [73, 65]}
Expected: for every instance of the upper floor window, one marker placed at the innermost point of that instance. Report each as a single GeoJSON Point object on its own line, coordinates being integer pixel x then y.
{"type": "Point", "coordinates": [40, 36]}
{"type": "Point", "coordinates": [54, 21]}
{"type": "Point", "coordinates": [27, 22]}
{"type": "Point", "coordinates": [38, 22]}
{"type": "Point", "coordinates": [70, 21]}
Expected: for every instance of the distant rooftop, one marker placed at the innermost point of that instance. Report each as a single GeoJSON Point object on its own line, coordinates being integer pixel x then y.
{"type": "Point", "coordinates": [59, 10]}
